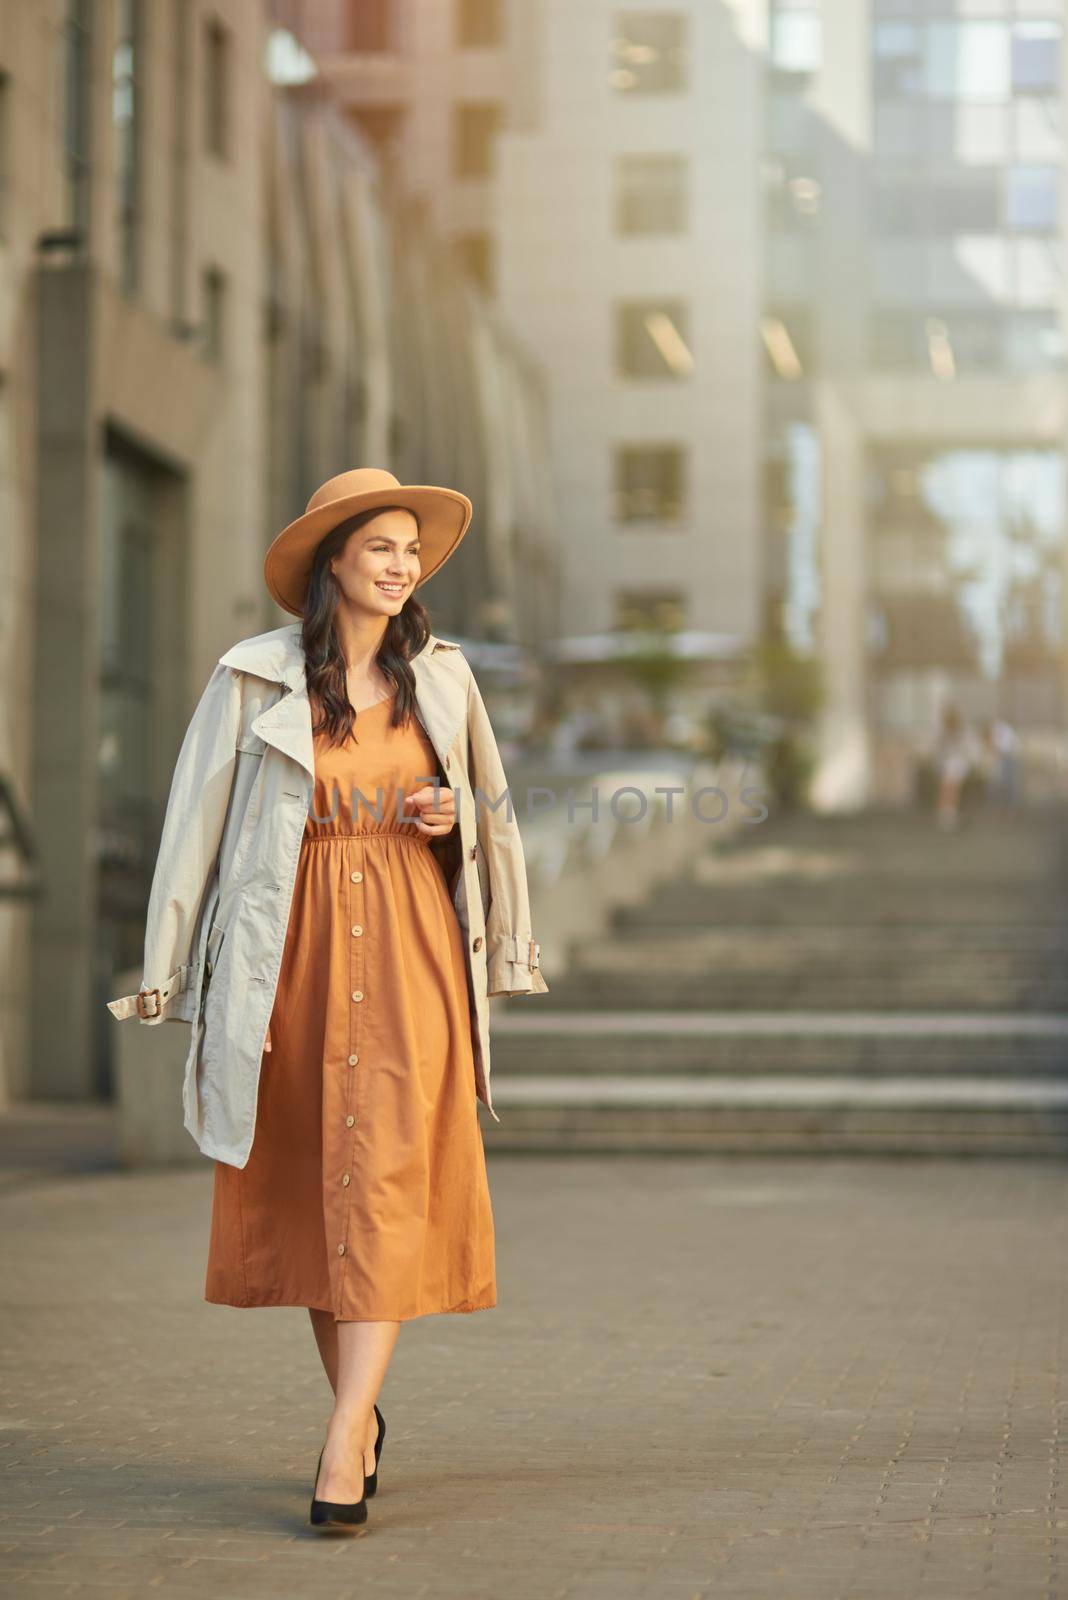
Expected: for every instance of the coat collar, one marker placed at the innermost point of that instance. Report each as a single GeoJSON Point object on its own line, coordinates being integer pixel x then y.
{"type": "Point", "coordinates": [277, 656]}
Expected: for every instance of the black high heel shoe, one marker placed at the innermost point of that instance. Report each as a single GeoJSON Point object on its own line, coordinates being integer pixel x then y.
{"type": "Point", "coordinates": [336, 1513]}
{"type": "Point", "coordinates": [370, 1484]}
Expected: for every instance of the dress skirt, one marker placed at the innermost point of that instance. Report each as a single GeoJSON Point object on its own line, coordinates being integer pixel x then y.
{"type": "Point", "coordinates": [366, 1191]}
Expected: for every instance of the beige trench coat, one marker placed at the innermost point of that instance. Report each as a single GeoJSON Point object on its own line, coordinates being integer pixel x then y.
{"type": "Point", "coordinates": [223, 883]}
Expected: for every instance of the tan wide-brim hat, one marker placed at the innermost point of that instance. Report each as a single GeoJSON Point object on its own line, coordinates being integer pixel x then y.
{"type": "Point", "coordinates": [443, 516]}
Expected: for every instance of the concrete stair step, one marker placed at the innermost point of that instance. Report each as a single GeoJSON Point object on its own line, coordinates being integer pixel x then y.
{"type": "Point", "coordinates": [817, 984]}
{"type": "Point", "coordinates": [822, 941]}
{"type": "Point", "coordinates": [754, 1114]}
{"type": "Point", "coordinates": [876, 990]}
{"type": "Point", "coordinates": [691, 907]}
{"type": "Point", "coordinates": [703, 1044]}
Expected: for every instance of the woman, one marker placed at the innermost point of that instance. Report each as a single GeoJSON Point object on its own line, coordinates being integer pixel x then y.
{"type": "Point", "coordinates": [956, 756]}
{"type": "Point", "coordinates": [336, 955]}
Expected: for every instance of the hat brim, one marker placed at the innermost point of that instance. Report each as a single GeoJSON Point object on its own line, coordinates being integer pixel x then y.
{"type": "Point", "coordinates": [444, 515]}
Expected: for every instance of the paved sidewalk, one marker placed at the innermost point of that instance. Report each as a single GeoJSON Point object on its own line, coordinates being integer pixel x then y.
{"type": "Point", "coordinates": [704, 1376]}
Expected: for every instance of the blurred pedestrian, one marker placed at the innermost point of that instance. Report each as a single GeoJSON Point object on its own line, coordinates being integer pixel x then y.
{"type": "Point", "coordinates": [956, 754]}
{"type": "Point", "coordinates": [1001, 745]}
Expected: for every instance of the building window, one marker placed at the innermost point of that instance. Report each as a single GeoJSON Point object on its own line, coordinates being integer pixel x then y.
{"type": "Point", "coordinates": [475, 254]}
{"type": "Point", "coordinates": [368, 25]}
{"type": "Point", "coordinates": [971, 61]}
{"type": "Point", "coordinates": [1035, 132]}
{"type": "Point", "coordinates": [651, 194]}
{"type": "Point", "coordinates": [216, 89]}
{"type": "Point", "coordinates": [384, 127]}
{"type": "Point", "coordinates": [966, 203]}
{"type": "Point", "coordinates": [474, 140]}
{"type": "Point", "coordinates": [77, 41]}
{"type": "Point", "coordinates": [659, 610]}
{"type": "Point", "coordinates": [1032, 199]}
{"type": "Point", "coordinates": [788, 331]}
{"type": "Point", "coordinates": [126, 92]}
{"type": "Point", "coordinates": [796, 37]}
{"type": "Point", "coordinates": [968, 61]}
{"type": "Point", "coordinates": [966, 566]}
{"type": "Point", "coordinates": [650, 482]}
{"type": "Point", "coordinates": [214, 301]}
{"type": "Point", "coordinates": [793, 192]}
{"type": "Point", "coordinates": [479, 24]}
{"type": "Point", "coordinates": [649, 54]}
{"type": "Point", "coordinates": [1036, 58]}
{"type": "Point", "coordinates": [653, 339]}
{"type": "Point", "coordinates": [955, 341]}
{"type": "Point", "coordinates": [792, 503]}
{"type": "Point", "coordinates": [898, 60]}
{"type": "Point", "coordinates": [1033, 339]}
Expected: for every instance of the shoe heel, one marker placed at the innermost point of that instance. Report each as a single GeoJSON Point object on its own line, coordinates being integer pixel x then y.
{"type": "Point", "coordinates": [370, 1483]}
{"type": "Point", "coordinates": [335, 1513]}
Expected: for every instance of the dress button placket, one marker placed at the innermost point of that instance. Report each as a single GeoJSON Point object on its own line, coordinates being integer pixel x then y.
{"type": "Point", "coordinates": [355, 910]}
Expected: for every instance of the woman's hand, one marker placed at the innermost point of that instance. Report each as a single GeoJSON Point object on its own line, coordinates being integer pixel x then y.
{"type": "Point", "coordinates": [436, 808]}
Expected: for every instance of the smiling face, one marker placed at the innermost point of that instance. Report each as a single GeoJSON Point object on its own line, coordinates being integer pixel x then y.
{"type": "Point", "coordinates": [379, 566]}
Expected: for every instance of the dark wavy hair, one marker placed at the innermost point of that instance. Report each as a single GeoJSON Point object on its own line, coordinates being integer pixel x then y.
{"type": "Point", "coordinates": [324, 663]}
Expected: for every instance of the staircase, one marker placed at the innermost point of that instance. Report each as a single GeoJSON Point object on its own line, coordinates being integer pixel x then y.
{"type": "Point", "coordinates": [850, 984]}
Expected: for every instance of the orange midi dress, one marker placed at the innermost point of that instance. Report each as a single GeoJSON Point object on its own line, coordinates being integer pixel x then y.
{"type": "Point", "coordinates": [366, 1191]}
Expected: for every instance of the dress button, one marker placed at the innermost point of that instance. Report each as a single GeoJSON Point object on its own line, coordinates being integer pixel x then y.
{"type": "Point", "coordinates": [478, 943]}
{"type": "Point", "coordinates": [353, 1060]}
{"type": "Point", "coordinates": [341, 1249]}
{"type": "Point", "coordinates": [357, 994]}
{"type": "Point", "coordinates": [356, 930]}
{"type": "Point", "coordinates": [345, 1180]}
{"type": "Point", "coordinates": [357, 877]}
{"type": "Point", "coordinates": [349, 1120]}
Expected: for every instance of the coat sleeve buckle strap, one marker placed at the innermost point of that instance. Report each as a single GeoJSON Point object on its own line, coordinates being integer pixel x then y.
{"type": "Point", "coordinates": [527, 951]}
{"type": "Point", "coordinates": [150, 1005]}
{"type": "Point", "coordinates": [142, 1000]}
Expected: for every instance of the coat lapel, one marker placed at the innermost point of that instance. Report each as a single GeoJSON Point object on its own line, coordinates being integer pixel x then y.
{"type": "Point", "coordinates": [440, 694]}
{"type": "Point", "coordinates": [441, 697]}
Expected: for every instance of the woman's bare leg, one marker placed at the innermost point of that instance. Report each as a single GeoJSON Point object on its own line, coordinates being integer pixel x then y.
{"type": "Point", "coordinates": [363, 1350]}
{"type": "Point", "coordinates": [948, 801]}
{"type": "Point", "coordinates": [325, 1329]}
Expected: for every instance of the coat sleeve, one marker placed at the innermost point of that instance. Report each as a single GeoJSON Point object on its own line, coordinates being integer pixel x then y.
{"type": "Point", "coordinates": [189, 846]}
{"type": "Point", "coordinates": [511, 950]}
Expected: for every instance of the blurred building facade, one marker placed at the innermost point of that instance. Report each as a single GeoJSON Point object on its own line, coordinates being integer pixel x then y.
{"type": "Point", "coordinates": [915, 358]}
{"type": "Point", "coordinates": [794, 268]}
{"type": "Point", "coordinates": [386, 66]}
{"type": "Point", "coordinates": [630, 227]}
{"type": "Point", "coordinates": [595, 169]}
{"type": "Point", "coordinates": [133, 462]}
{"type": "Point", "coordinates": [209, 303]}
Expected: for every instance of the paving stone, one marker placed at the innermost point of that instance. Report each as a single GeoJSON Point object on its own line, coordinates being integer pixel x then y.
{"type": "Point", "coordinates": [705, 1376]}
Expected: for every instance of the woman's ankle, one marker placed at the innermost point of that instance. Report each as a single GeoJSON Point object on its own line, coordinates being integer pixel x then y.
{"type": "Point", "coordinates": [348, 1423]}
